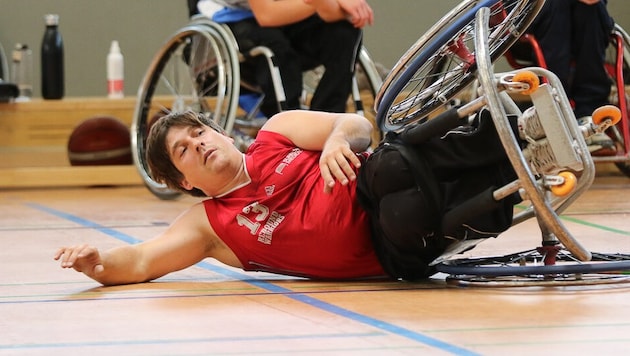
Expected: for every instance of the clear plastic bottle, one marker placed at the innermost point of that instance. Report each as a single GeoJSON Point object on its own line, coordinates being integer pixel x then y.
{"type": "Point", "coordinates": [115, 72]}
{"type": "Point", "coordinates": [4, 66]}
{"type": "Point", "coordinates": [52, 60]}
{"type": "Point", "coordinates": [22, 71]}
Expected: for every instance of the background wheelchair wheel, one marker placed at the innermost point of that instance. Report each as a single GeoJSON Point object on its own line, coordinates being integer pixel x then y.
{"type": "Point", "coordinates": [194, 70]}
{"type": "Point", "coordinates": [526, 268]}
{"type": "Point", "coordinates": [442, 62]}
{"type": "Point", "coordinates": [368, 81]}
{"type": "Point", "coordinates": [617, 64]}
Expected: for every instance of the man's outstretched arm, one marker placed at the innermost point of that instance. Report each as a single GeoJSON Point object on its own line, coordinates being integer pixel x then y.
{"type": "Point", "coordinates": [187, 241]}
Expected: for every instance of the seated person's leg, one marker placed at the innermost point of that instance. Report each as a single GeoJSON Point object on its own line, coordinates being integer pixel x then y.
{"type": "Point", "coordinates": [590, 86]}
{"type": "Point", "coordinates": [552, 30]}
{"type": "Point", "coordinates": [249, 35]}
{"type": "Point", "coordinates": [334, 45]}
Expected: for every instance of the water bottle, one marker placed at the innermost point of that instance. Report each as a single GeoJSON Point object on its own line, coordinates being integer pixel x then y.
{"type": "Point", "coordinates": [52, 60]}
{"type": "Point", "coordinates": [4, 67]}
{"type": "Point", "coordinates": [115, 72]}
{"type": "Point", "coordinates": [22, 71]}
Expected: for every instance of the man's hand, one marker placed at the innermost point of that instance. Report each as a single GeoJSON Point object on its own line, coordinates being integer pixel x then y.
{"type": "Point", "coordinates": [82, 258]}
{"type": "Point", "coordinates": [335, 163]}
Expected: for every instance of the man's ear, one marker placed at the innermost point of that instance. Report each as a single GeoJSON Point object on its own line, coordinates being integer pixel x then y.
{"type": "Point", "coordinates": [185, 184]}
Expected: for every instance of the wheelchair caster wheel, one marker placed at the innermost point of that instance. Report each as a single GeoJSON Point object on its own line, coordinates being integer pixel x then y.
{"type": "Point", "coordinates": [607, 112]}
{"type": "Point", "coordinates": [570, 181]}
{"type": "Point", "coordinates": [528, 78]}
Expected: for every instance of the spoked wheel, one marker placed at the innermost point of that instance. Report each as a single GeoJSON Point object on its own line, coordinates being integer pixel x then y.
{"type": "Point", "coordinates": [194, 70]}
{"type": "Point", "coordinates": [442, 62]}
{"type": "Point", "coordinates": [534, 268]}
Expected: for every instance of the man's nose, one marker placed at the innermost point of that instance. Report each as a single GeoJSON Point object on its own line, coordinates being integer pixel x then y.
{"type": "Point", "coordinates": [199, 145]}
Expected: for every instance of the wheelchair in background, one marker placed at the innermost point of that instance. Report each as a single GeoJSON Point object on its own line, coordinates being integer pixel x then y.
{"type": "Point", "coordinates": [199, 68]}
{"type": "Point", "coordinates": [527, 52]}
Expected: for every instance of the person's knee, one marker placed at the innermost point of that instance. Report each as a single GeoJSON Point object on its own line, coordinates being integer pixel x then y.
{"type": "Point", "coordinates": [408, 219]}
{"type": "Point", "coordinates": [342, 38]}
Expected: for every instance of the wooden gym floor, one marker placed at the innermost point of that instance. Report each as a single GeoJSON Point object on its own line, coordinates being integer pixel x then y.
{"type": "Point", "coordinates": [211, 309]}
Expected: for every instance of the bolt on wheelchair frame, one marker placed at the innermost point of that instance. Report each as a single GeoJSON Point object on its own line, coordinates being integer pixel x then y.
{"type": "Point", "coordinates": [198, 68]}
{"type": "Point", "coordinates": [547, 169]}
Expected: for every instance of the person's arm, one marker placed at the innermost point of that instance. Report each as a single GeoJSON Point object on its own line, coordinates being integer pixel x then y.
{"type": "Point", "coordinates": [338, 135]}
{"type": "Point", "coordinates": [357, 12]}
{"type": "Point", "coordinates": [274, 13]}
{"type": "Point", "coordinates": [187, 241]}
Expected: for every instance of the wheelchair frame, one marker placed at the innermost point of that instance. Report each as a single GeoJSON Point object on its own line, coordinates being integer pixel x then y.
{"type": "Point", "coordinates": [202, 61]}
{"type": "Point", "coordinates": [549, 179]}
{"type": "Point", "coordinates": [617, 62]}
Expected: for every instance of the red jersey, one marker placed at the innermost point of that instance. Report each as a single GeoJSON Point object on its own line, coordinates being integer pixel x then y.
{"type": "Point", "coordinates": [283, 222]}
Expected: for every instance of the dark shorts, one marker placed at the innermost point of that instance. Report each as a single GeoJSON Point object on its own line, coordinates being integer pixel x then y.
{"type": "Point", "coordinates": [408, 189]}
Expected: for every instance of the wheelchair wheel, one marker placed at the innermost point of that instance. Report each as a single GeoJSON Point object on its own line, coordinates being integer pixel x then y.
{"type": "Point", "coordinates": [442, 62]}
{"type": "Point", "coordinates": [193, 70]}
{"type": "Point", "coordinates": [528, 268]}
{"type": "Point", "coordinates": [366, 83]}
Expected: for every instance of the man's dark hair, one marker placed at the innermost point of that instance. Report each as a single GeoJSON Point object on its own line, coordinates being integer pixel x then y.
{"type": "Point", "coordinates": [161, 167]}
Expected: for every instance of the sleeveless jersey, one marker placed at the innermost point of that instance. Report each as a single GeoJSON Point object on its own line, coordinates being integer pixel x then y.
{"type": "Point", "coordinates": [283, 222]}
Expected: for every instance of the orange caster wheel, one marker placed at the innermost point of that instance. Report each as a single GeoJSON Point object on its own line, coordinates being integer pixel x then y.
{"type": "Point", "coordinates": [570, 181]}
{"type": "Point", "coordinates": [607, 112]}
{"type": "Point", "coordinates": [528, 78]}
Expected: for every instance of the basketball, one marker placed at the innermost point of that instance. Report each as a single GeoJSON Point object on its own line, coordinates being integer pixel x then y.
{"type": "Point", "coordinates": [155, 117]}
{"type": "Point", "coordinates": [100, 141]}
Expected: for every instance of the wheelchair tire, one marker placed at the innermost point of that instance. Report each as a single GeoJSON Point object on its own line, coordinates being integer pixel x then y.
{"type": "Point", "coordinates": [193, 70]}
{"type": "Point", "coordinates": [527, 265]}
{"type": "Point", "coordinates": [441, 63]}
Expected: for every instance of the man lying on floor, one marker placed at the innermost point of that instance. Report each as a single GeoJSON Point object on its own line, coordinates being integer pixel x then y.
{"type": "Point", "coordinates": [307, 200]}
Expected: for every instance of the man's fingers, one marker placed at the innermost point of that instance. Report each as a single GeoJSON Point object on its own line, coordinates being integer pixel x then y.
{"type": "Point", "coordinates": [339, 167]}
{"type": "Point", "coordinates": [344, 171]}
{"type": "Point", "coordinates": [69, 255]}
{"type": "Point", "coordinates": [329, 181]}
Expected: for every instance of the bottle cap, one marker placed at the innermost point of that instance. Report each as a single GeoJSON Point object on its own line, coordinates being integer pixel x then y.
{"type": "Point", "coordinates": [51, 19]}
{"type": "Point", "coordinates": [115, 47]}
{"type": "Point", "coordinates": [17, 53]}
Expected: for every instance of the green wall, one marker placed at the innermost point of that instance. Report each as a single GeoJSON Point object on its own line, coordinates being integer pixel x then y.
{"type": "Point", "coordinates": [88, 27]}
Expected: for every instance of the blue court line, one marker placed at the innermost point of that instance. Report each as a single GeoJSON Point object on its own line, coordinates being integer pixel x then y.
{"type": "Point", "coordinates": [333, 309]}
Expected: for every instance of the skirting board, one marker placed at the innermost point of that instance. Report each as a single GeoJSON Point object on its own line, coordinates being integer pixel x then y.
{"type": "Point", "coordinates": [85, 176]}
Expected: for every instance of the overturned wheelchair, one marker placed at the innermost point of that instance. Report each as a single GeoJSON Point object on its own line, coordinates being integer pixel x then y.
{"type": "Point", "coordinates": [553, 169]}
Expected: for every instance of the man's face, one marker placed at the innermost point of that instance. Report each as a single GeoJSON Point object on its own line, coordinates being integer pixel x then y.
{"type": "Point", "coordinates": [207, 159]}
